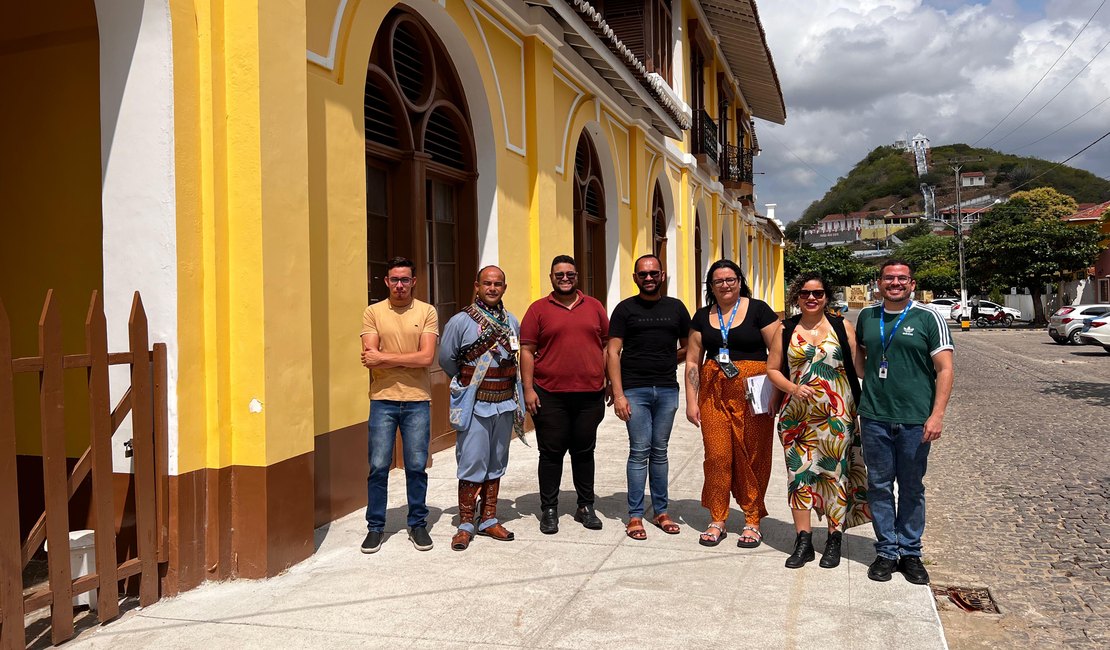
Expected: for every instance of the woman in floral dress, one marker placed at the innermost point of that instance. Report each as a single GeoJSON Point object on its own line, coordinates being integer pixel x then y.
{"type": "Point", "coordinates": [810, 360]}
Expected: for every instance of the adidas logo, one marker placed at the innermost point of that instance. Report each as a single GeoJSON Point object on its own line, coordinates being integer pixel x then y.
{"type": "Point", "coordinates": [907, 331]}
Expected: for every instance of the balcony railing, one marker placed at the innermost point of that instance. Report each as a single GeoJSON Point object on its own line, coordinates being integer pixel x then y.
{"type": "Point", "coordinates": [736, 164]}
{"type": "Point", "coordinates": [706, 141]}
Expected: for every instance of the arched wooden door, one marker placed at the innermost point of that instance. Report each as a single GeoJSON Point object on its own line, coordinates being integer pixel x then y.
{"type": "Point", "coordinates": [421, 173]}
{"type": "Point", "coordinates": [589, 220]}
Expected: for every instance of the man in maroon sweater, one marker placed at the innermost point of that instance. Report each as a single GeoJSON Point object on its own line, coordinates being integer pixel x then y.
{"type": "Point", "coordinates": [562, 365]}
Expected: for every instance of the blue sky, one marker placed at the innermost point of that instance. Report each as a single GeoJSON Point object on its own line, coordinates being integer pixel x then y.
{"type": "Point", "coordinates": [857, 74]}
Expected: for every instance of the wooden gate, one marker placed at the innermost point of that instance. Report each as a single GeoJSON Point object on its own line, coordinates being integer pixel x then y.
{"type": "Point", "coordinates": [145, 400]}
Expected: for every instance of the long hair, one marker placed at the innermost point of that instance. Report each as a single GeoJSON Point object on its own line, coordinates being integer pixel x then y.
{"type": "Point", "coordinates": [799, 282]}
{"type": "Point", "coordinates": [744, 291]}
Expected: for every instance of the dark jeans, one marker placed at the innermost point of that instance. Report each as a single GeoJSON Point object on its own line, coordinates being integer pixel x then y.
{"type": "Point", "coordinates": [567, 422]}
{"type": "Point", "coordinates": [895, 453]}
{"type": "Point", "coordinates": [414, 421]}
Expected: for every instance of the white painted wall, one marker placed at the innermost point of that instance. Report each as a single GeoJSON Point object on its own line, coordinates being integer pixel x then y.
{"type": "Point", "coordinates": [138, 195]}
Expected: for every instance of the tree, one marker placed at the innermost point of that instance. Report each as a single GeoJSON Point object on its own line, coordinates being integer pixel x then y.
{"type": "Point", "coordinates": [836, 264]}
{"type": "Point", "coordinates": [1040, 203]}
{"type": "Point", "coordinates": [1031, 254]}
{"type": "Point", "coordinates": [934, 262]}
{"type": "Point", "coordinates": [927, 250]}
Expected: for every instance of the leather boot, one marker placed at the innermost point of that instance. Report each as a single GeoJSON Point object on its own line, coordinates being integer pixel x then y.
{"type": "Point", "coordinates": [831, 557]}
{"type": "Point", "coordinates": [489, 511]}
{"type": "Point", "coordinates": [468, 493]}
{"type": "Point", "coordinates": [803, 551]}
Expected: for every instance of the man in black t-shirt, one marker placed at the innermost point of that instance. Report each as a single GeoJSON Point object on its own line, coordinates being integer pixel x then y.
{"type": "Point", "coordinates": [647, 337]}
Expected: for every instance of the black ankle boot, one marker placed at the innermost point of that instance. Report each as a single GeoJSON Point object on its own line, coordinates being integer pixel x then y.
{"type": "Point", "coordinates": [831, 556]}
{"type": "Point", "coordinates": [803, 551]}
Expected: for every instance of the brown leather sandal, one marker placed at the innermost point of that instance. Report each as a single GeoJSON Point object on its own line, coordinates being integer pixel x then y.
{"type": "Point", "coordinates": [461, 540]}
{"type": "Point", "coordinates": [635, 529]}
{"type": "Point", "coordinates": [666, 524]}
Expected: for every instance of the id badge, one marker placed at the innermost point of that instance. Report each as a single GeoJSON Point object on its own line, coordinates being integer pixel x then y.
{"type": "Point", "coordinates": [882, 369]}
{"type": "Point", "coordinates": [514, 343]}
{"type": "Point", "coordinates": [722, 356]}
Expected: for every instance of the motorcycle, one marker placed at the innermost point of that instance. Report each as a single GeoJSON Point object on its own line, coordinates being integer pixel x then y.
{"type": "Point", "coordinates": [997, 318]}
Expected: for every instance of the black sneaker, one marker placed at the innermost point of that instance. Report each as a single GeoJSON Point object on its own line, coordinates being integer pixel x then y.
{"type": "Point", "coordinates": [373, 542]}
{"type": "Point", "coordinates": [881, 568]}
{"type": "Point", "coordinates": [420, 538]}
{"type": "Point", "coordinates": [586, 516]}
{"type": "Point", "coordinates": [913, 570]}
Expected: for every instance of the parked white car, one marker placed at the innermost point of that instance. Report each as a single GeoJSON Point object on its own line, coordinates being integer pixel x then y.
{"type": "Point", "coordinates": [1066, 324]}
{"type": "Point", "coordinates": [1096, 331]}
{"type": "Point", "coordinates": [942, 306]}
{"type": "Point", "coordinates": [986, 308]}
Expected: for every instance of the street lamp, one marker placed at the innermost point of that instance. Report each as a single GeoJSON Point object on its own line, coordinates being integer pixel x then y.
{"type": "Point", "coordinates": [965, 311]}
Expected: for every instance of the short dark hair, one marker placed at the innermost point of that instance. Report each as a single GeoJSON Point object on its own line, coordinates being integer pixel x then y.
{"type": "Point", "coordinates": [894, 261]}
{"type": "Point", "coordinates": [801, 281]}
{"type": "Point", "coordinates": [649, 256]}
{"type": "Point", "coordinates": [395, 262]}
{"type": "Point", "coordinates": [478, 277]}
{"type": "Point", "coordinates": [744, 291]}
{"type": "Point", "coordinates": [563, 259]}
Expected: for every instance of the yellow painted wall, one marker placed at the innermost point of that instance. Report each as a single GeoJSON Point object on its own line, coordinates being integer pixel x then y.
{"type": "Point", "coordinates": [241, 147]}
{"type": "Point", "coordinates": [50, 176]}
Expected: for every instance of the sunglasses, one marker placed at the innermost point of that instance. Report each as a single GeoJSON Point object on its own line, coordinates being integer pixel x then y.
{"type": "Point", "coordinates": [644, 275]}
{"type": "Point", "coordinates": [814, 293]}
{"type": "Point", "coordinates": [568, 275]}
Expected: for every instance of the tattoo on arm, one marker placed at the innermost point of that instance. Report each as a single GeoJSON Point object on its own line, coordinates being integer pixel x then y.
{"type": "Point", "coordinates": [694, 377]}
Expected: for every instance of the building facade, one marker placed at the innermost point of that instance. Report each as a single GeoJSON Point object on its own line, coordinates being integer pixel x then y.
{"type": "Point", "coordinates": [249, 167]}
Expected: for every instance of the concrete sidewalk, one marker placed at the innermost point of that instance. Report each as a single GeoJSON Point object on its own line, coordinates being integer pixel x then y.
{"type": "Point", "coordinates": [576, 589]}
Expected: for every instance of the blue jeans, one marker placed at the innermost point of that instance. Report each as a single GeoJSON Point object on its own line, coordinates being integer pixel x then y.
{"type": "Point", "coordinates": [414, 419]}
{"type": "Point", "coordinates": [649, 431]}
{"type": "Point", "coordinates": [895, 452]}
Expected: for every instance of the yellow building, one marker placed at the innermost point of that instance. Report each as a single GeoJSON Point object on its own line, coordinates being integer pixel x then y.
{"type": "Point", "coordinates": [250, 166]}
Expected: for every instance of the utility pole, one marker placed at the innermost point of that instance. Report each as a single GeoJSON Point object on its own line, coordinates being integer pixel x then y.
{"type": "Point", "coordinates": [965, 311]}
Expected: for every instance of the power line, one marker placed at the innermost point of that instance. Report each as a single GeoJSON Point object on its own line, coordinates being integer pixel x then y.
{"type": "Point", "coordinates": [1099, 139]}
{"type": "Point", "coordinates": [1081, 30]}
{"type": "Point", "coordinates": [791, 152]}
{"type": "Point", "coordinates": [1062, 127]}
{"type": "Point", "coordinates": [1054, 96]}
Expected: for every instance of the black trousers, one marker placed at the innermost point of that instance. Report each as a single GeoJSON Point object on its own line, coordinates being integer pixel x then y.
{"type": "Point", "coordinates": [567, 422]}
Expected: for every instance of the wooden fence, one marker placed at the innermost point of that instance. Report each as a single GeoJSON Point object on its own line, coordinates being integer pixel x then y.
{"type": "Point", "coordinates": [145, 400]}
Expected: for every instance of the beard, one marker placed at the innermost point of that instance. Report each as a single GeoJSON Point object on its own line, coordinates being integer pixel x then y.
{"type": "Point", "coordinates": [564, 292]}
{"type": "Point", "coordinates": [652, 292]}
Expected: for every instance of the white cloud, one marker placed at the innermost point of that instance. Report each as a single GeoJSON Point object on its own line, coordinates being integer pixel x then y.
{"type": "Point", "coordinates": [857, 74]}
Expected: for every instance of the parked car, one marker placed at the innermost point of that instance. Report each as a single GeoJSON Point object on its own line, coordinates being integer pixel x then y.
{"type": "Point", "coordinates": [986, 308]}
{"type": "Point", "coordinates": [1067, 323]}
{"type": "Point", "coordinates": [942, 306]}
{"type": "Point", "coordinates": [1096, 331]}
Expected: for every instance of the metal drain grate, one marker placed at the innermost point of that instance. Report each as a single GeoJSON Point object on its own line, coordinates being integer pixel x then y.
{"type": "Point", "coordinates": [969, 599]}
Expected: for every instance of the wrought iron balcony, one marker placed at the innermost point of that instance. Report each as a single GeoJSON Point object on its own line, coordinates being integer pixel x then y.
{"type": "Point", "coordinates": [705, 136]}
{"type": "Point", "coordinates": [736, 164]}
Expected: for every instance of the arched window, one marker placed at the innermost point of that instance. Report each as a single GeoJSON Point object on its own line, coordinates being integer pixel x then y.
{"type": "Point", "coordinates": [659, 226]}
{"type": "Point", "coordinates": [589, 219]}
{"type": "Point", "coordinates": [421, 194]}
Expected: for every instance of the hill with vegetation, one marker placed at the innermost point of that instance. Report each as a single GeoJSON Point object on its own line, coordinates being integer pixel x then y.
{"type": "Point", "coordinates": [886, 179]}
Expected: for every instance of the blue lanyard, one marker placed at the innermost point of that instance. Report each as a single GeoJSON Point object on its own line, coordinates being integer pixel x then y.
{"type": "Point", "coordinates": [882, 327]}
{"type": "Point", "coordinates": [725, 328]}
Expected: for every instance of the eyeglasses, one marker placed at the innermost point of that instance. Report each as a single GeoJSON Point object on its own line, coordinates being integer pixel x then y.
{"type": "Point", "coordinates": [816, 294]}
{"type": "Point", "coordinates": [404, 281]}
{"type": "Point", "coordinates": [896, 278]}
{"type": "Point", "coordinates": [643, 275]}
{"type": "Point", "coordinates": [568, 275]}
{"type": "Point", "coordinates": [724, 282]}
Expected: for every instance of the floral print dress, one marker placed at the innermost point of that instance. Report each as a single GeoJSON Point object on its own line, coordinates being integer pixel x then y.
{"type": "Point", "coordinates": [824, 455]}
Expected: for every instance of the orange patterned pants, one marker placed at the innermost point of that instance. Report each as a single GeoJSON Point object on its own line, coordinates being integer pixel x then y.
{"type": "Point", "coordinates": [738, 444]}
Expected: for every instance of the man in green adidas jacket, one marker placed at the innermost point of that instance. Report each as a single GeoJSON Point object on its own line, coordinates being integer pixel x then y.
{"type": "Point", "coordinates": [906, 363]}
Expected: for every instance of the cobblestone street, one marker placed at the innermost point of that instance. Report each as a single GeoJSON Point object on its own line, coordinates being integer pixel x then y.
{"type": "Point", "coordinates": [1017, 491]}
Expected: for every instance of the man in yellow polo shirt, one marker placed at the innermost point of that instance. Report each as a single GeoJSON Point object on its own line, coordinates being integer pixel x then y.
{"type": "Point", "coordinates": [398, 346]}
